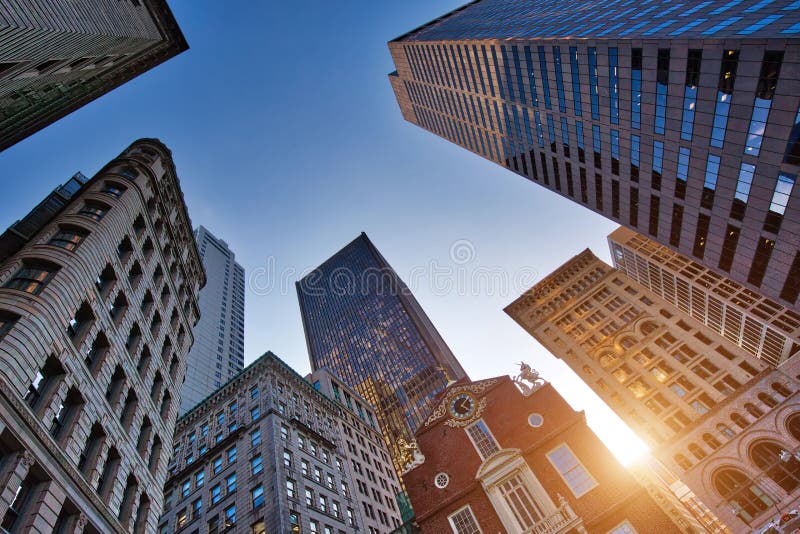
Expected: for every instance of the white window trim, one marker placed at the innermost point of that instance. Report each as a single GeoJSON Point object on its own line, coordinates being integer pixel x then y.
{"type": "Point", "coordinates": [547, 455]}
{"type": "Point", "coordinates": [453, 525]}
{"type": "Point", "coordinates": [624, 522]}
{"type": "Point", "coordinates": [475, 445]}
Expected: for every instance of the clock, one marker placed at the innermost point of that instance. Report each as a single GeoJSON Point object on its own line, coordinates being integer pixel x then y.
{"type": "Point", "coordinates": [462, 406]}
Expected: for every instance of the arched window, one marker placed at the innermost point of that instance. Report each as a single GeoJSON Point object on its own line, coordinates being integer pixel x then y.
{"type": "Point", "coordinates": [739, 420]}
{"type": "Point", "coordinates": [743, 494]}
{"type": "Point", "coordinates": [753, 410]}
{"type": "Point", "coordinates": [793, 425]}
{"type": "Point", "coordinates": [711, 441]}
{"type": "Point", "coordinates": [683, 462]}
{"type": "Point", "coordinates": [780, 389]}
{"type": "Point", "coordinates": [607, 360]}
{"type": "Point", "coordinates": [627, 342]}
{"type": "Point", "coordinates": [725, 430]}
{"type": "Point", "coordinates": [696, 451]}
{"type": "Point", "coordinates": [767, 399]}
{"type": "Point", "coordinates": [648, 327]}
{"type": "Point", "coordinates": [767, 456]}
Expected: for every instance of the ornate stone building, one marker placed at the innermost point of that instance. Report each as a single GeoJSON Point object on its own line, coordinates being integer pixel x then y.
{"type": "Point", "coordinates": [759, 325]}
{"type": "Point", "coordinates": [269, 453]}
{"type": "Point", "coordinates": [56, 56]}
{"type": "Point", "coordinates": [98, 296]}
{"type": "Point", "coordinates": [495, 456]}
{"type": "Point", "coordinates": [714, 415]}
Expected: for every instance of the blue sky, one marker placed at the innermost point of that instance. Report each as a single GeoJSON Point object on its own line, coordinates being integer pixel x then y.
{"type": "Point", "coordinates": [288, 143]}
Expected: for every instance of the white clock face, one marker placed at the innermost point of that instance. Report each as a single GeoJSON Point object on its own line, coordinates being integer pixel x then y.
{"type": "Point", "coordinates": [462, 406]}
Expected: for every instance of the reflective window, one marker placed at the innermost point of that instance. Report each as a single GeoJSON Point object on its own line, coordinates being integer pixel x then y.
{"type": "Point", "coordinates": [662, 81]}
{"type": "Point", "coordinates": [690, 93]}
{"type": "Point", "coordinates": [562, 106]}
{"type": "Point", "coordinates": [615, 152]}
{"type": "Point", "coordinates": [576, 80]}
{"type": "Point", "coordinates": [518, 70]}
{"type": "Point", "coordinates": [635, 142]}
{"type": "Point", "coordinates": [509, 77]}
{"type": "Point", "coordinates": [545, 82]}
{"type": "Point", "coordinates": [658, 161]}
{"type": "Point", "coordinates": [593, 84]}
{"type": "Point", "coordinates": [539, 132]}
{"type": "Point", "coordinates": [727, 77]}
{"type": "Point", "coordinates": [551, 131]}
{"type": "Point", "coordinates": [579, 137]}
{"type": "Point", "coordinates": [729, 248]}
{"type": "Point", "coordinates": [597, 147]}
{"type": "Point", "coordinates": [565, 136]}
{"type": "Point", "coordinates": [721, 26]}
{"type": "Point", "coordinates": [768, 79]}
{"type": "Point", "coordinates": [792, 154]}
{"type": "Point", "coordinates": [683, 172]}
{"type": "Point", "coordinates": [766, 21]}
{"type": "Point", "coordinates": [783, 190]}
{"type": "Point", "coordinates": [710, 182]}
{"type": "Point", "coordinates": [613, 84]}
{"type": "Point", "coordinates": [742, 193]}
{"type": "Point", "coordinates": [760, 261]}
{"type": "Point", "coordinates": [636, 88]}
{"type": "Point", "coordinates": [531, 77]}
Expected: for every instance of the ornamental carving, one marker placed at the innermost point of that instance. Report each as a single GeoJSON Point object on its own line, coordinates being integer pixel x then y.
{"type": "Point", "coordinates": [461, 423]}
{"type": "Point", "coordinates": [410, 455]}
{"type": "Point", "coordinates": [477, 388]}
{"type": "Point", "coordinates": [528, 379]}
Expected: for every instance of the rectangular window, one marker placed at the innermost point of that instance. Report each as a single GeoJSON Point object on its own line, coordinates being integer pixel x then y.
{"type": "Point", "coordinates": [93, 210]}
{"type": "Point", "coordinates": [256, 465]}
{"type": "Point", "coordinates": [551, 132]}
{"type": "Point", "coordinates": [593, 83]}
{"type": "Point", "coordinates": [635, 144]}
{"type": "Point", "coordinates": [742, 193]}
{"type": "Point", "coordinates": [613, 84]}
{"type": "Point", "coordinates": [615, 199]}
{"type": "Point", "coordinates": [579, 137]}
{"type": "Point", "coordinates": [584, 187]}
{"type": "Point", "coordinates": [760, 261]}
{"type": "Point", "coordinates": [792, 154]}
{"type": "Point", "coordinates": [545, 82]}
{"type": "Point", "coordinates": [68, 238]}
{"type": "Point", "coordinates": [727, 77]}
{"type": "Point", "coordinates": [539, 131]}
{"type": "Point", "coordinates": [636, 88]}
{"type": "Point", "coordinates": [482, 439]}
{"type": "Point", "coordinates": [255, 438]}
{"type": "Point", "coordinates": [634, 206]}
{"type": "Point", "coordinates": [701, 234]}
{"type": "Point", "coordinates": [623, 528]}
{"type": "Point", "coordinates": [570, 188]}
{"type": "Point", "coordinates": [562, 106]}
{"type": "Point", "coordinates": [32, 278]}
{"type": "Point", "coordinates": [579, 480]}
{"type": "Point", "coordinates": [257, 496]}
{"type": "Point", "coordinates": [556, 173]}
{"type": "Point", "coordinates": [780, 198]}
{"type": "Point", "coordinates": [677, 223]}
{"type": "Point", "coordinates": [690, 93]}
{"type": "Point", "coordinates": [615, 152]}
{"type": "Point", "coordinates": [654, 215]}
{"type": "Point", "coordinates": [565, 136]}
{"type": "Point", "coordinates": [598, 192]}
{"type": "Point", "coordinates": [729, 248]}
{"type": "Point", "coordinates": [576, 80]}
{"type": "Point", "coordinates": [768, 79]}
{"type": "Point", "coordinates": [658, 162]}
{"type": "Point", "coordinates": [791, 287]}
{"type": "Point", "coordinates": [597, 146]}
{"type": "Point", "coordinates": [662, 84]}
{"type": "Point", "coordinates": [531, 77]}
{"type": "Point", "coordinates": [463, 522]}
{"type": "Point", "coordinates": [519, 499]}
{"type": "Point", "coordinates": [710, 182]}
{"type": "Point", "coordinates": [230, 483]}
{"type": "Point", "coordinates": [682, 174]}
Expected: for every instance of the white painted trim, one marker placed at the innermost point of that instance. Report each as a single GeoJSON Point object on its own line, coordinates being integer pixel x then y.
{"type": "Point", "coordinates": [564, 444]}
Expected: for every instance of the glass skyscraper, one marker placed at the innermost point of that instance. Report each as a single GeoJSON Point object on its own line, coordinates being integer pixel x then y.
{"type": "Point", "coordinates": [362, 322]}
{"type": "Point", "coordinates": [679, 120]}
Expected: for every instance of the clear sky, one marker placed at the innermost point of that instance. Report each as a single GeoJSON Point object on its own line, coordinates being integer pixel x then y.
{"type": "Point", "coordinates": [288, 143]}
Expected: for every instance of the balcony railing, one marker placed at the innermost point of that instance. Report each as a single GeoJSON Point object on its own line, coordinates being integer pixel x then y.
{"type": "Point", "coordinates": [562, 520]}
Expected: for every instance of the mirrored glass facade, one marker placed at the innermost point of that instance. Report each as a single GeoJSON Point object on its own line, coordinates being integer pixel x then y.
{"type": "Point", "coordinates": [656, 75]}
{"type": "Point", "coordinates": [362, 322]}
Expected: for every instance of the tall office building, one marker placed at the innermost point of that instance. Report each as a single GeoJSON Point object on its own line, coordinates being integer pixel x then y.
{"type": "Point", "coordinates": [679, 121]}
{"type": "Point", "coordinates": [218, 351]}
{"type": "Point", "coordinates": [266, 454]}
{"type": "Point", "coordinates": [759, 325]}
{"type": "Point", "coordinates": [56, 56]}
{"type": "Point", "coordinates": [362, 322]}
{"type": "Point", "coordinates": [726, 423]}
{"type": "Point", "coordinates": [98, 295]}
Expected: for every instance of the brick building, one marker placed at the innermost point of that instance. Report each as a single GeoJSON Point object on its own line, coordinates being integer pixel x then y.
{"type": "Point", "coordinates": [98, 296]}
{"type": "Point", "coordinates": [268, 453]}
{"type": "Point", "coordinates": [679, 121]}
{"type": "Point", "coordinates": [495, 459]}
{"type": "Point", "coordinates": [56, 56]}
{"type": "Point", "coordinates": [714, 415]}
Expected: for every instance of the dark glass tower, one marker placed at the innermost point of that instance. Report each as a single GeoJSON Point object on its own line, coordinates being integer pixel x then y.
{"type": "Point", "coordinates": [362, 322]}
{"type": "Point", "coordinates": [676, 119]}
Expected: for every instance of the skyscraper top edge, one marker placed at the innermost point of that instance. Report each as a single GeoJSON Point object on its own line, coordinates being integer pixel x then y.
{"type": "Point", "coordinates": [588, 19]}
{"type": "Point", "coordinates": [362, 237]}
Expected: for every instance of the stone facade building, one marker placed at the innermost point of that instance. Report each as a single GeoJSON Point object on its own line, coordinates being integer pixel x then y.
{"type": "Point", "coordinates": [494, 458]}
{"type": "Point", "coordinates": [693, 395]}
{"type": "Point", "coordinates": [364, 324]}
{"type": "Point", "coordinates": [681, 122]}
{"type": "Point", "coordinates": [56, 56]}
{"type": "Point", "coordinates": [266, 454]}
{"type": "Point", "coordinates": [98, 296]}
{"type": "Point", "coordinates": [218, 351]}
{"type": "Point", "coordinates": [759, 325]}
